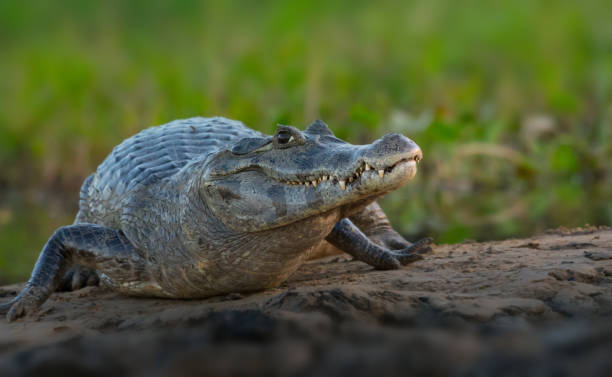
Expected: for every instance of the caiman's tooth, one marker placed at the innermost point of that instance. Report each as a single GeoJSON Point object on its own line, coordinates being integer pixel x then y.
{"type": "Point", "coordinates": [350, 179]}
{"type": "Point", "coordinates": [324, 178]}
{"type": "Point", "coordinates": [307, 184]}
{"type": "Point", "coordinates": [319, 179]}
{"type": "Point", "coordinates": [381, 173]}
{"type": "Point", "coordinates": [314, 183]}
{"type": "Point", "coordinates": [367, 167]}
{"type": "Point", "coordinates": [342, 184]}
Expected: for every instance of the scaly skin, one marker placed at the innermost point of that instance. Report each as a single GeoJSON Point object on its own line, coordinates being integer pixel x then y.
{"type": "Point", "coordinates": [207, 206]}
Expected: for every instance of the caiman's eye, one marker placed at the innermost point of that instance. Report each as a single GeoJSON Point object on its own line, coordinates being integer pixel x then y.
{"type": "Point", "coordinates": [284, 137]}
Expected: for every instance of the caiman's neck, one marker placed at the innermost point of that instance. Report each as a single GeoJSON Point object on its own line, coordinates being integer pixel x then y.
{"type": "Point", "coordinates": [290, 240]}
{"type": "Point", "coordinates": [202, 230]}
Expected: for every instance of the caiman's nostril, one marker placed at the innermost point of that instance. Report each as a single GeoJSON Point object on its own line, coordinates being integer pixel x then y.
{"type": "Point", "coordinates": [418, 155]}
{"type": "Point", "coordinates": [391, 149]}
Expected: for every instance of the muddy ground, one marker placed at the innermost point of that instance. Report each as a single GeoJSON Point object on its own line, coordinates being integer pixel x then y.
{"type": "Point", "coordinates": [540, 306]}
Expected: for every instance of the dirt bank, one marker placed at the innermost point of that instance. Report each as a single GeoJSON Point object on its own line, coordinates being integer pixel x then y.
{"type": "Point", "coordinates": [470, 309]}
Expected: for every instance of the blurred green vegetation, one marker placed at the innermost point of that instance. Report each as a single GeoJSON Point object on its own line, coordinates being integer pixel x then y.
{"type": "Point", "coordinates": [510, 101]}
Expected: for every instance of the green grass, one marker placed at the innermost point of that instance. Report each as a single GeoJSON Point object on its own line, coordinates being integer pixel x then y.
{"type": "Point", "coordinates": [510, 101]}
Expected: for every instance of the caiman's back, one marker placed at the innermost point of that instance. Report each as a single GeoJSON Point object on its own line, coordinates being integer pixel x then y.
{"type": "Point", "coordinates": [150, 158]}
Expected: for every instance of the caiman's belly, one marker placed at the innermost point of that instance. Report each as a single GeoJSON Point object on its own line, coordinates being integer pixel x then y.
{"type": "Point", "coordinates": [211, 277]}
{"type": "Point", "coordinates": [256, 262]}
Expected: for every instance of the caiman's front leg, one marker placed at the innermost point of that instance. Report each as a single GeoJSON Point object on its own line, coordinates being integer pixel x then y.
{"type": "Point", "coordinates": [373, 222]}
{"type": "Point", "coordinates": [348, 238]}
{"type": "Point", "coordinates": [88, 245]}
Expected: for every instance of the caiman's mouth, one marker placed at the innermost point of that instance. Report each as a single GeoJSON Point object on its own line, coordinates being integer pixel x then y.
{"type": "Point", "coordinates": [354, 177]}
{"type": "Point", "coordinates": [266, 192]}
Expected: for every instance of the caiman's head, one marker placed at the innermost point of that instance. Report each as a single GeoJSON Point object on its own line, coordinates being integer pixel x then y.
{"type": "Point", "coordinates": [268, 182]}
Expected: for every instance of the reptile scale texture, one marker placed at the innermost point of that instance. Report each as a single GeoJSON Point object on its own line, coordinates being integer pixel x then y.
{"type": "Point", "coordinates": [207, 206]}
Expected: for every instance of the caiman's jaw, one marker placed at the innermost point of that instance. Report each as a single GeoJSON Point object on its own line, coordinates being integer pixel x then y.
{"type": "Point", "coordinates": [364, 174]}
{"type": "Point", "coordinates": [263, 184]}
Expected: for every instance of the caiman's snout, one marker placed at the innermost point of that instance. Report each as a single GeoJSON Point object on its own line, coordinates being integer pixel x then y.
{"type": "Point", "coordinates": [392, 149]}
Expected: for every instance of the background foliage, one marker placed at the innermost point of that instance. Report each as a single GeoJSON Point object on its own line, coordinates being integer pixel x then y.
{"type": "Point", "coordinates": [510, 101]}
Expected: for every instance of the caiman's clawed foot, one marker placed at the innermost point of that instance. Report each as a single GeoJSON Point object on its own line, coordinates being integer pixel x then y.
{"type": "Point", "coordinates": [373, 222]}
{"type": "Point", "coordinates": [28, 301]}
{"type": "Point", "coordinates": [389, 239]}
{"type": "Point", "coordinates": [413, 252]}
{"type": "Point", "coordinates": [71, 246]}
{"type": "Point", "coordinates": [347, 237]}
{"type": "Point", "coordinates": [78, 277]}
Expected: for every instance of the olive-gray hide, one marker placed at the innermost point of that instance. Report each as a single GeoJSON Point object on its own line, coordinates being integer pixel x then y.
{"type": "Point", "coordinates": [206, 206]}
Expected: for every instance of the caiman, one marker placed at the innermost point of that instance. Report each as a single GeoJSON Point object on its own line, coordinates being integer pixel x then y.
{"type": "Point", "coordinates": [207, 206]}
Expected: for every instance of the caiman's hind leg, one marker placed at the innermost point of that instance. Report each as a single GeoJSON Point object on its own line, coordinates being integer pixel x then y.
{"type": "Point", "coordinates": [373, 222]}
{"type": "Point", "coordinates": [348, 238]}
{"type": "Point", "coordinates": [78, 277]}
{"type": "Point", "coordinates": [88, 245]}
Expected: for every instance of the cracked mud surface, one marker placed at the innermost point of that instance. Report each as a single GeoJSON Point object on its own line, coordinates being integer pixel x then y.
{"type": "Point", "coordinates": [542, 304]}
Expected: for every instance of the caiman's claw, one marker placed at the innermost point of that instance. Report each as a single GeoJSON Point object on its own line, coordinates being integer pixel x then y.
{"type": "Point", "coordinates": [4, 308]}
{"type": "Point", "coordinates": [9, 309]}
{"type": "Point", "coordinates": [26, 302]}
{"type": "Point", "coordinates": [413, 252]}
{"type": "Point", "coordinates": [422, 246]}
